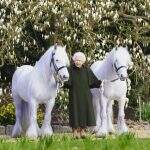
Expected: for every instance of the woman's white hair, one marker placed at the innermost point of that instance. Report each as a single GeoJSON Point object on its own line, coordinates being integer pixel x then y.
{"type": "Point", "coordinates": [79, 56]}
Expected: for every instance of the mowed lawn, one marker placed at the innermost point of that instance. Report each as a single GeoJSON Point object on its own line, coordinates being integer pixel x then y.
{"type": "Point", "coordinates": [67, 142]}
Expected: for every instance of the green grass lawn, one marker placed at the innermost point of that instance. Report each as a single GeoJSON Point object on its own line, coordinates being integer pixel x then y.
{"type": "Point", "coordinates": [66, 142]}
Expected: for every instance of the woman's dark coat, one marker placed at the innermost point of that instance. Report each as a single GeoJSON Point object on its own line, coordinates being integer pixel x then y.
{"type": "Point", "coordinates": [81, 113]}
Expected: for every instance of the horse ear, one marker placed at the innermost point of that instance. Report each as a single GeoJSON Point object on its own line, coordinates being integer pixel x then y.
{"type": "Point", "coordinates": [131, 65]}
{"type": "Point", "coordinates": [115, 49]}
{"type": "Point", "coordinates": [65, 47]}
{"type": "Point", "coordinates": [55, 46]}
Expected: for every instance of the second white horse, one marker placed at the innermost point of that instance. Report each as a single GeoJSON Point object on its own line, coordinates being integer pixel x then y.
{"type": "Point", "coordinates": [113, 73]}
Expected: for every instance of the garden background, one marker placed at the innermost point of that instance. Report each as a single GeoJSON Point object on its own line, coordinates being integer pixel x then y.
{"type": "Point", "coordinates": [28, 28]}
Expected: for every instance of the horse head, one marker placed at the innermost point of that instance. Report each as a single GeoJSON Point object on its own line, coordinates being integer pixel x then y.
{"type": "Point", "coordinates": [122, 62]}
{"type": "Point", "coordinates": [60, 62]}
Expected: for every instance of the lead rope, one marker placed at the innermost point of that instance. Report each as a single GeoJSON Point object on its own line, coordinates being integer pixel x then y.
{"type": "Point", "coordinates": [101, 89]}
{"type": "Point", "coordinates": [58, 81]}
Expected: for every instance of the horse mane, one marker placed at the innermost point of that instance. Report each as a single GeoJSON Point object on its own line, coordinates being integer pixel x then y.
{"type": "Point", "coordinates": [119, 51]}
{"type": "Point", "coordinates": [47, 55]}
{"type": "Point", "coordinates": [44, 56]}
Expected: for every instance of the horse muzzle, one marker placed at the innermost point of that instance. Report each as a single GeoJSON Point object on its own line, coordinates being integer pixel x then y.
{"type": "Point", "coordinates": [64, 78]}
{"type": "Point", "coordinates": [123, 78]}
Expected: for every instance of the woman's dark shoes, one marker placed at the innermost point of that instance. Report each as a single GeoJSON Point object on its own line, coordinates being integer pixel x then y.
{"type": "Point", "coordinates": [82, 133]}
{"type": "Point", "coordinates": [76, 134]}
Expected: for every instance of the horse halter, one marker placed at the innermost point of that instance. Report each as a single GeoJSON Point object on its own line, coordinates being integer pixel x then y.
{"type": "Point", "coordinates": [117, 69]}
{"type": "Point", "coordinates": [54, 64]}
{"type": "Point", "coordinates": [57, 69]}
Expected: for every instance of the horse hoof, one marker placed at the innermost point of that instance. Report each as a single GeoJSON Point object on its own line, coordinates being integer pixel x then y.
{"type": "Point", "coordinates": [46, 132]}
{"type": "Point", "coordinates": [15, 135]}
{"type": "Point", "coordinates": [123, 130]}
{"type": "Point", "coordinates": [111, 131]}
{"type": "Point", "coordinates": [101, 134]}
{"type": "Point", "coordinates": [16, 132]}
{"type": "Point", "coordinates": [96, 129]}
{"type": "Point", "coordinates": [32, 136]}
{"type": "Point", "coordinates": [32, 133]}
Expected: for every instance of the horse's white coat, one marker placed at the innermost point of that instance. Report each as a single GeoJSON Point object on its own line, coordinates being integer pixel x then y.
{"type": "Point", "coordinates": [34, 85]}
{"type": "Point", "coordinates": [112, 71]}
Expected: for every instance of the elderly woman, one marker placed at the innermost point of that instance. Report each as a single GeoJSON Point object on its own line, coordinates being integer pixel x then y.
{"type": "Point", "coordinates": [81, 113]}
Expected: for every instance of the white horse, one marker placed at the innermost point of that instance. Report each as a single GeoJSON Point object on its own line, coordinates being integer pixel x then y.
{"type": "Point", "coordinates": [113, 73]}
{"type": "Point", "coordinates": [34, 85]}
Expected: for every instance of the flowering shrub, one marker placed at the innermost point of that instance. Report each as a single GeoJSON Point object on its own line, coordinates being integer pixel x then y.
{"type": "Point", "coordinates": [28, 28]}
{"type": "Point", "coordinates": [7, 114]}
{"type": "Point", "coordinates": [7, 111]}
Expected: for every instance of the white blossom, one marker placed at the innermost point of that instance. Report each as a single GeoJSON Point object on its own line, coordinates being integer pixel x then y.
{"type": "Point", "coordinates": [116, 15]}
{"type": "Point", "coordinates": [74, 36]}
{"type": "Point", "coordinates": [97, 44]}
{"type": "Point", "coordinates": [130, 41]}
{"type": "Point", "coordinates": [65, 20]}
{"type": "Point", "coordinates": [103, 4]}
{"type": "Point", "coordinates": [83, 41]}
{"type": "Point", "coordinates": [1, 21]}
{"type": "Point", "coordinates": [103, 42]}
{"type": "Point", "coordinates": [46, 37]}
{"type": "Point", "coordinates": [26, 48]}
{"type": "Point", "coordinates": [54, 10]}
{"type": "Point", "coordinates": [139, 19]}
{"type": "Point", "coordinates": [100, 51]}
{"type": "Point", "coordinates": [47, 23]}
{"type": "Point", "coordinates": [17, 40]}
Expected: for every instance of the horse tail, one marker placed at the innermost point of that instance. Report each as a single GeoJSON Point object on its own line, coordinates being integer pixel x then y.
{"type": "Point", "coordinates": [22, 116]}
{"type": "Point", "coordinates": [25, 114]}
{"type": "Point", "coordinates": [14, 81]}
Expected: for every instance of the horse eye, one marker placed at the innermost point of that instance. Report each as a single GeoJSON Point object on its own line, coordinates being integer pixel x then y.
{"type": "Point", "coordinates": [57, 60]}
